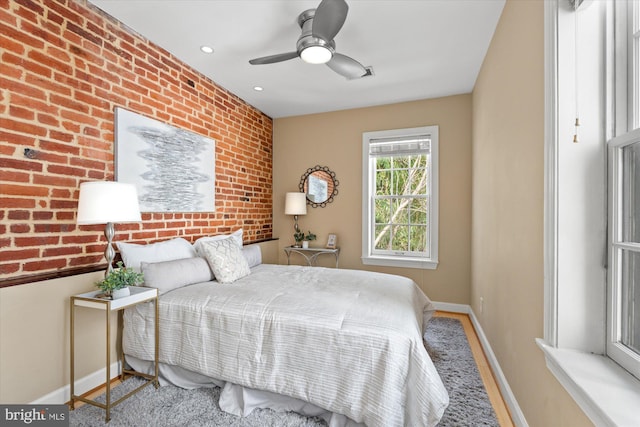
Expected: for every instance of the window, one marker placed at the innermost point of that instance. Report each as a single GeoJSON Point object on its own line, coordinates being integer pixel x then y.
{"type": "Point", "coordinates": [624, 291]}
{"type": "Point", "coordinates": [400, 197]}
{"type": "Point", "coordinates": [576, 268]}
{"type": "Point", "coordinates": [623, 332]}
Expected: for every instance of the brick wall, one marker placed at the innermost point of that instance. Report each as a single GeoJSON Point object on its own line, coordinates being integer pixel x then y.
{"type": "Point", "coordinates": [64, 67]}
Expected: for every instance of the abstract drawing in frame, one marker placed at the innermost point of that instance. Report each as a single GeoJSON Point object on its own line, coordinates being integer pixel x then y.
{"type": "Point", "coordinates": [173, 169]}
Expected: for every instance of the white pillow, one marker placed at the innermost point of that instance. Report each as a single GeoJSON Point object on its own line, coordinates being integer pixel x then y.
{"type": "Point", "coordinates": [226, 260]}
{"type": "Point", "coordinates": [133, 254]}
{"type": "Point", "coordinates": [237, 236]}
{"type": "Point", "coordinates": [253, 254]}
{"type": "Point", "coordinates": [169, 275]}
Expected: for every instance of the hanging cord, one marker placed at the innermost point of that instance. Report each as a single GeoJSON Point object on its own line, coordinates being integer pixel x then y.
{"type": "Point", "coordinates": [576, 4]}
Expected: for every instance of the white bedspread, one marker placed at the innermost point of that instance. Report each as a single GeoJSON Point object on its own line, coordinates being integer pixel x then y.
{"type": "Point", "coordinates": [348, 341]}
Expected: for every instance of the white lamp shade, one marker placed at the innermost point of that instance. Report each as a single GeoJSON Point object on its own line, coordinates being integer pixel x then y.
{"type": "Point", "coordinates": [101, 202]}
{"type": "Point", "coordinates": [295, 204]}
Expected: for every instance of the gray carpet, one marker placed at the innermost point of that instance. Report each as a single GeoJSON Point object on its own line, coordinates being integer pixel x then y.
{"type": "Point", "coordinates": [172, 406]}
{"type": "Point", "coordinates": [449, 349]}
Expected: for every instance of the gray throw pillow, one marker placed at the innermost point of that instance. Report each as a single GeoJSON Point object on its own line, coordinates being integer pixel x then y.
{"type": "Point", "coordinates": [169, 275]}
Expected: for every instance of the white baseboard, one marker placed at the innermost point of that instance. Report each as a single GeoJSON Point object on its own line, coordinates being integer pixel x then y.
{"type": "Point", "coordinates": [508, 396]}
{"type": "Point", "coordinates": [82, 385]}
{"type": "Point", "coordinates": [452, 308]}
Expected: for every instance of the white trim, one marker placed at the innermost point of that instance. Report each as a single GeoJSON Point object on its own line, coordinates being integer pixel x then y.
{"type": "Point", "coordinates": [430, 262]}
{"type": "Point", "coordinates": [87, 383]}
{"type": "Point", "coordinates": [452, 308]}
{"type": "Point", "coordinates": [613, 402]}
{"type": "Point", "coordinates": [551, 172]}
{"type": "Point", "coordinates": [595, 382]}
{"type": "Point", "coordinates": [627, 357]}
{"type": "Point", "coordinates": [406, 262]}
{"type": "Point", "coordinates": [517, 415]}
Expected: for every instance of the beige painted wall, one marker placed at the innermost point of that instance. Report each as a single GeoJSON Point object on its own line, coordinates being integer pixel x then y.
{"type": "Point", "coordinates": [335, 140]}
{"type": "Point", "coordinates": [34, 335]}
{"type": "Point", "coordinates": [507, 242]}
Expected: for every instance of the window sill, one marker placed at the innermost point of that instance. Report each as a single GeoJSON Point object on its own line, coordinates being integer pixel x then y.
{"type": "Point", "coordinates": [406, 262]}
{"type": "Point", "coordinates": [609, 395]}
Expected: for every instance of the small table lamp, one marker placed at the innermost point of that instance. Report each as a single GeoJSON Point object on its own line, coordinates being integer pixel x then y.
{"type": "Point", "coordinates": [295, 204]}
{"type": "Point", "coordinates": [106, 202]}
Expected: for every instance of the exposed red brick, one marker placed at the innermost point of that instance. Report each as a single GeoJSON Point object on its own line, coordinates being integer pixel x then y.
{"type": "Point", "coordinates": [15, 202]}
{"type": "Point", "coordinates": [42, 215]}
{"type": "Point", "coordinates": [20, 36]}
{"type": "Point", "coordinates": [24, 242]}
{"type": "Point", "coordinates": [19, 215]}
{"type": "Point", "coordinates": [14, 176]}
{"type": "Point", "coordinates": [19, 228]}
{"type": "Point", "coordinates": [80, 240]}
{"type": "Point", "coordinates": [65, 66]}
{"type": "Point", "coordinates": [8, 269]}
{"type": "Point", "coordinates": [66, 171]}
{"type": "Point", "coordinates": [53, 228]}
{"type": "Point", "coordinates": [61, 251]}
{"type": "Point", "coordinates": [51, 264]}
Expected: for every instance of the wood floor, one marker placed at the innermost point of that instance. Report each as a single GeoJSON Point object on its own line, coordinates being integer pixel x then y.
{"type": "Point", "coordinates": [499, 406]}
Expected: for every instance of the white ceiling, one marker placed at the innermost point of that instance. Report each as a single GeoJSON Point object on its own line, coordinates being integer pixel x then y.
{"type": "Point", "coordinates": [418, 48]}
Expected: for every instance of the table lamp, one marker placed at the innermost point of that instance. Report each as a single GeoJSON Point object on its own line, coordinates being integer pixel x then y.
{"type": "Point", "coordinates": [295, 204]}
{"type": "Point", "coordinates": [107, 202]}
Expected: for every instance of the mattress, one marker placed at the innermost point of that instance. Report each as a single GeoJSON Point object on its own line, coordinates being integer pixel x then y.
{"type": "Point", "coordinates": [347, 341]}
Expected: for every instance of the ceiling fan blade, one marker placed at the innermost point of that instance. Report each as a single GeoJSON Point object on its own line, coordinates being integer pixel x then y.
{"type": "Point", "coordinates": [347, 67]}
{"type": "Point", "coordinates": [329, 18]}
{"type": "Point", "coordinates": [274, 58]}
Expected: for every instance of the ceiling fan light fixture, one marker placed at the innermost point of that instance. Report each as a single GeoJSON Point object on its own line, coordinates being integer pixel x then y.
{"type": "Point", "coordinates": [316, 55]}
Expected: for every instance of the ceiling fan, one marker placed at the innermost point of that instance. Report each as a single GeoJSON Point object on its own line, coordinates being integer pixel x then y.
{"type": "Point", "coordinates": [316, 46]}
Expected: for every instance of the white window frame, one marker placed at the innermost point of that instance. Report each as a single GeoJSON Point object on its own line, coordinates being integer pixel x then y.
{"type": "Point", "coordinates": [575, 362]}
{"type": "Point", "coordinates": [626, 357]}
{"type": "Point", "coordinates": [626, 116]}
{"type": "Point", "coordinates": [368, 181]}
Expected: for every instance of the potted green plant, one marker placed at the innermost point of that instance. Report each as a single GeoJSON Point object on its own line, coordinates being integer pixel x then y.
{"type": "Point", "coordinates": [116, 283]}
{"type": "Point", "coordinates": [308, 238]}
{"type": "Point", "coordinates": [299, 237]}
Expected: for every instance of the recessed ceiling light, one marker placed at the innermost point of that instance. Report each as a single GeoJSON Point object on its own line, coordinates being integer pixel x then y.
{"type": "Point", "coordinates": [206, 49]}
{"type": "Point", "coordinates": [258, 88]}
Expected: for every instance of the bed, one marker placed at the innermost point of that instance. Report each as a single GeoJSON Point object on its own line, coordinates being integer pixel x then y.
{"type": "Point", "coordinates": [344, 345]}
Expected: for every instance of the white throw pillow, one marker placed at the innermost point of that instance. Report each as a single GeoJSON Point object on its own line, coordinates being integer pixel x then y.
{"type": "Point", "coordinates": [226, 260]}
{"type": "Point", "coordinates": [253, 254]}
{"type": "Point", "coordinates": [169, 275]}
{"type": "Point", "coordinates": [237, 236]}
{"type": "Point", "coordinates": [134, 254]}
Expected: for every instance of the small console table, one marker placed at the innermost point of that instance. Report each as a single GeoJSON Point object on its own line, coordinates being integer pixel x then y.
{"type": "Point", "coordinates": [138, 295]}
{"type": "Point", "coordinates": [311, 254]}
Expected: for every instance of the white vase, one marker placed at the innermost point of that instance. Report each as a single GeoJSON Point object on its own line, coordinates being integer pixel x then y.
{"type": "Point", "coordinates": [305, 244]}
{"type": "Point", "coordinates": [120, 293]}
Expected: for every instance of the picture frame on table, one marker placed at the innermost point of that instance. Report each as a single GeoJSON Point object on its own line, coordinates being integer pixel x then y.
{"type": "Point", "coordinates": [332, 241]}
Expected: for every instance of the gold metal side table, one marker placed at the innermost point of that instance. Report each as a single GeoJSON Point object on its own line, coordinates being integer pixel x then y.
{"type": "Point", "coordinates": [138, 295]}
{"type": "Point", "coordinates": [311, 254]}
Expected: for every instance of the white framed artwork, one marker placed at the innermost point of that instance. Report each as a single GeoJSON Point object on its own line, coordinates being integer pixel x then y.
{"type": "Point", "coordinates": [173, 169]}
{"type": "Point", "coordinates": [332, 241]}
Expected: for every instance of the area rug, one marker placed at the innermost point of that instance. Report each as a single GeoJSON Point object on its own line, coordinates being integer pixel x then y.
{"type": "Point", "coordinates": [449, 349]}
{"type": "Point", "coordinates": [173, 406]}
